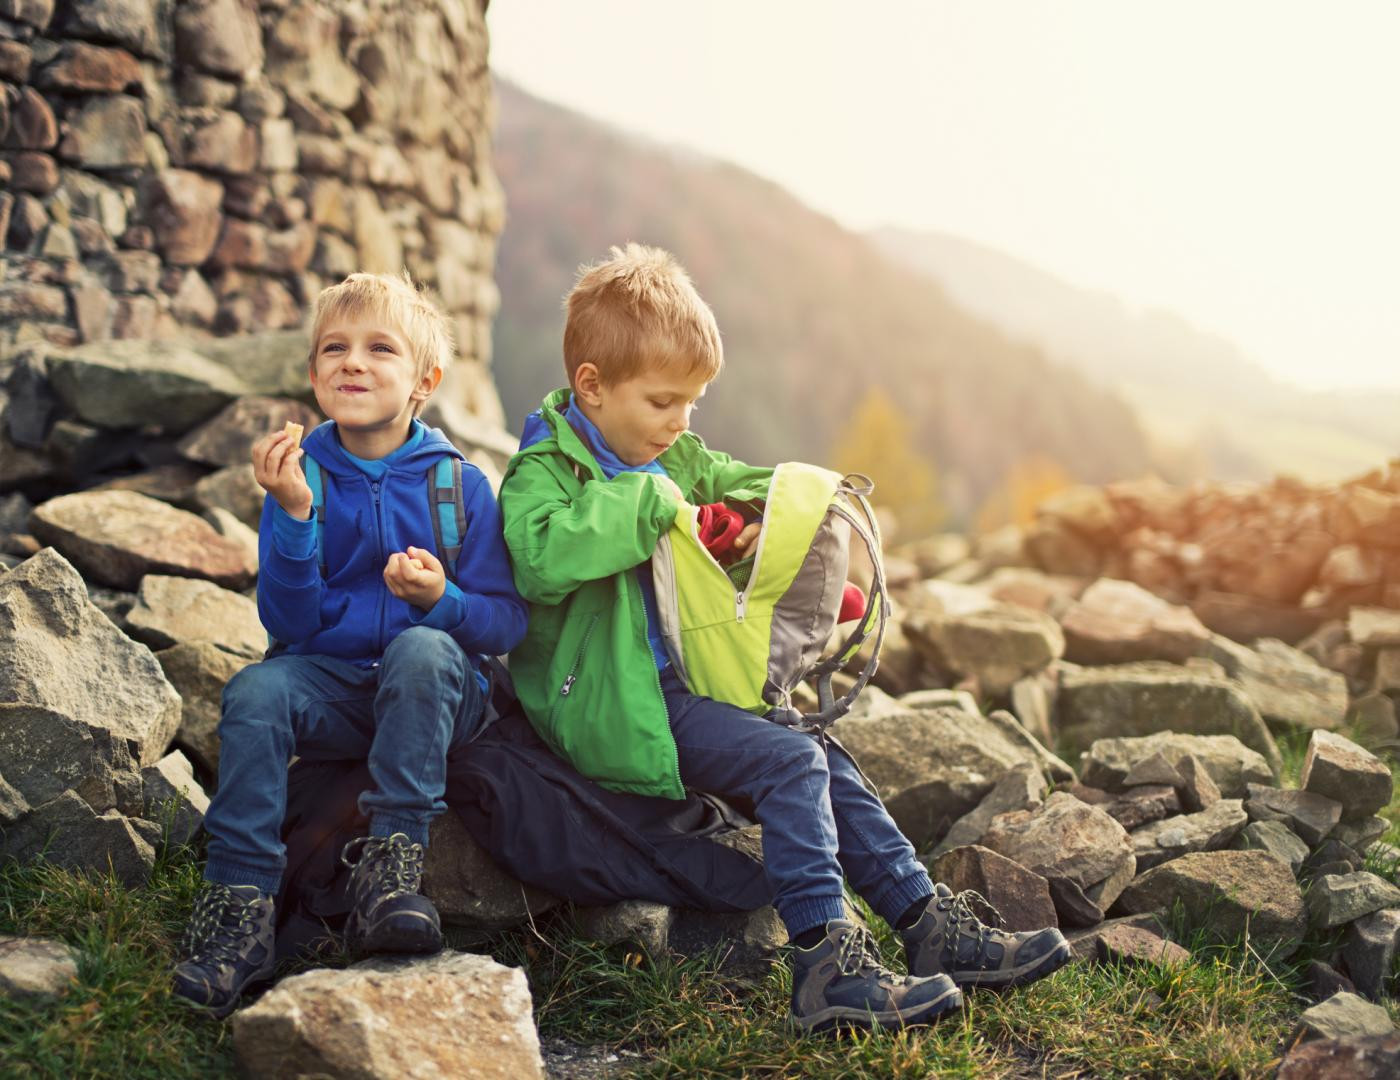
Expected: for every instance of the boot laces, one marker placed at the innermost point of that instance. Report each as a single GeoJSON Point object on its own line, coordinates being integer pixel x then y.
{"type": "Point", "coordinates": [855, 953]}
{"type": "Point", "coordinates": [963, 920]}
{"type": "Point", "coordinates": [392, 863]}
{"type": "Point", "coordinates": [220, 923]}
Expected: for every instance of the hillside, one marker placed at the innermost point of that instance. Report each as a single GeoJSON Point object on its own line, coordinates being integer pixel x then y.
{"type": "Point", "coordinates": [813, 316]}
{"type": "Point", "coordinates": [1190, 387]}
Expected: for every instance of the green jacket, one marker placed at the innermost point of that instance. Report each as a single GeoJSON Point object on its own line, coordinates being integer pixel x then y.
{"type": "Point", "coordinates": [585, 672]}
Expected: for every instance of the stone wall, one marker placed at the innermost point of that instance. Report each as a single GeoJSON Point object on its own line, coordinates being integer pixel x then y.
{"type": "Point", "coordinates": [204, 167]}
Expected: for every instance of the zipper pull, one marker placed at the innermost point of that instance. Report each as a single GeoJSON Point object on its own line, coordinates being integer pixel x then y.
{"type": "Point", "coordinates": [568, 685]}
{"type": "Point", "coordinates": [739, 600]}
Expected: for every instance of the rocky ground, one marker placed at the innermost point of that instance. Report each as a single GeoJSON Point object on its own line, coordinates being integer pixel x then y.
{"type": "Point", "coordinates": [1083, 738]}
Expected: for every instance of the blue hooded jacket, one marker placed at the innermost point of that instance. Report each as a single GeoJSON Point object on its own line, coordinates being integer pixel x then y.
{"type": "Point", "coordinates": [351, 614]}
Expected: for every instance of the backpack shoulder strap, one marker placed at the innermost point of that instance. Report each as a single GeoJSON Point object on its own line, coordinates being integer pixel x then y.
{"type": "Point", "coordinates": [448, 514]}
{"type": "Point", "coordinates": [311, 468]}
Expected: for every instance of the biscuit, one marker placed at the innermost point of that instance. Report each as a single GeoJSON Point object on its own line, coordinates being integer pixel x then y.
{"type": "Point", "coordinates": [295, 431]}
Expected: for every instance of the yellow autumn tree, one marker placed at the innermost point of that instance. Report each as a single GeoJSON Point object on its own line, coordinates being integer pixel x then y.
{"type": "Point", "coordinates": [877, 441]}
{"type": "Point", "coordinates": [1027, 484]}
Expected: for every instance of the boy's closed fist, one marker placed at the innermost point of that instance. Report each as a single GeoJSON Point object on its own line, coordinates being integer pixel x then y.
{"type": "Point", "coordinates": [416, 576]}
{"type": "Point", "coordinates": [277, 469]}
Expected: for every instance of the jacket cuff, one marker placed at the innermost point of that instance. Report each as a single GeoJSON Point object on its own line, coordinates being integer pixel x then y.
{"type": "Point", "coordinates": [447, 614]}
{"type": "Point", "coordinates": [293, 538]}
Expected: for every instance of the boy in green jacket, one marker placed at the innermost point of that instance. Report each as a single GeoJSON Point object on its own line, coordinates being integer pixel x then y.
{"type": "Point", "coordinates": [602, 470]}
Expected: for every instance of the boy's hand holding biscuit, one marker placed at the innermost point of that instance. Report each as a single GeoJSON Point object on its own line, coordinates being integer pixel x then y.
{"type": "Point", "coordinates": [416, 576]}
{"type": "Point", "coordinates": [277, 469]}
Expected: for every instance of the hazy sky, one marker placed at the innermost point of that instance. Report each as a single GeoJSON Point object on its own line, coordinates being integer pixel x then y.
{"type": "Point", "coordinates": [1235, 161]}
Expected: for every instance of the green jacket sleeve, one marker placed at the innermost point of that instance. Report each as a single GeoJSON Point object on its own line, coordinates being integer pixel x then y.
{"type": "Point", "coordinates": [558, 540]}
{"type": "Point", "coordinates": [723, 478]}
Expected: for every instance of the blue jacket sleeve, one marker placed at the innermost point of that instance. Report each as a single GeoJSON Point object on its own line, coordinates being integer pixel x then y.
{"type": "Point", "coordinates": [482, 610]}
{"type": "Point", "coordinates": [289, 580]}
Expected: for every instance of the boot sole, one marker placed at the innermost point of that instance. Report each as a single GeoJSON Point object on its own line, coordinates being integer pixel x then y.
{"type": "Point", "coordinates": [843, 1016]}
{"type": "Point", "coordinates": [220, 1012]}
{"type": "Point", "coordinates": [402, 932]}
{"type": "Point", "coordinates": [1029, 972]}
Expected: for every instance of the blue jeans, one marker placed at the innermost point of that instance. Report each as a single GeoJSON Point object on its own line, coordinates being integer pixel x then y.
{"type": "Point", "coordinates": [404, 715]}
{"type": "Point", "coordinates": [819, 818]}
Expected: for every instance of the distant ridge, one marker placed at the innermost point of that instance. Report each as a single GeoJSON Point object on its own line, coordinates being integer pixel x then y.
{"type": "Point", "coordinates": [812, 314]}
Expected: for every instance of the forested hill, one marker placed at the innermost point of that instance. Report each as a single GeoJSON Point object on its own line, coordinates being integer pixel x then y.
{"type": "Point", "coordinates": [813, 316]}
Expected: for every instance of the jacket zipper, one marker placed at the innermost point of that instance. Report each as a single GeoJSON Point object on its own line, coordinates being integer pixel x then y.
{"type": "Point", "coordinates": [379, 536]}
{"type": "Point", "coordinates": [572, 677]}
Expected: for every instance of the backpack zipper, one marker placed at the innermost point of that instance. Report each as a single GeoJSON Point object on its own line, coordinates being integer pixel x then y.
{"type": "Point", "coordinates": [572, 677]}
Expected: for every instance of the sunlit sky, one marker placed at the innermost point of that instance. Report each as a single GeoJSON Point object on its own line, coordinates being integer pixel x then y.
{"type": "Point", "coordinates": [1232, 160]}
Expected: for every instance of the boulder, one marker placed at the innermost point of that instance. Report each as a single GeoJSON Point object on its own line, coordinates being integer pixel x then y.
{"type": "Point", "coordinates": [1141, 805]}
{"type": "Point", "coordinates": [450, 1015]}
{"type": "Point", "coordinates": [748, 940]}
{"type": "Point", "coordinates": [127, 384]}
{"type": "Point", "coordinates": [1335, 899]}
{"type": "Point", "coordinates": [1132, 945]}
{"type": "Point", "coordinates": [73, 836]}
{"type": "Point", "coordinates": [174, 798]}
{"type": "Point", "coordinates": [1116, 622]}
{"type": "Point", "coordinates": [628, 922]}
{"type": "Point", "coordinates": [1144, 699]}
{"type": "Point", "coordinates": [34, 970]}
{"type": "Point", "coordinates": [234, 489]}
{"type": "Point", "coordinates": [1198, 790]}
{"type": "Point", "coordinates": [1228, 894]}
{"type": "Point", "coordinates": [998, 645]}
{"type": "Point", "coordinates": [1231, 764]}
{"type": "Point", "coordinates": [931, 766]}
{"type": "Point", "coordinates": [1020, 897]}
{"type": "Point", "coordinates": [1339, 769]}
{"type": "Point", "coordinates": [1373, 627]}
{"type": "Point", "coordinates": [199, 672]}
{"type": "Point", "coordinates": [118, 537]}
{"type": "Point", "coordinates": [1209, 830]}
{"type": "Point", "coordinates": [1344, 1016]}
{"type": "Point", "coordinates": [1154, 769]}
{"type": "Point", "coordinates": [1072, 906]}
{"type": "Point", "coordinates": [1023, 787]}
{"type": "Point", "coordinates": [469, 889]}
{"type": "Point", "coordinates": [1309, 815]}
{"type": "Point", "coordinates": [186, 611]}
{"type": "Point", "coordinates": [1066, 838]}
{"type": "Point", "coordinates": [68, 674]}
{"type": "Point", "coordinates": [1084, 943]}
{"type": "Point", "coordinates": [1360, 834]}
{"type": "Point", "coordinates": [1275, 838]}
{"type": "Point", "coordinates": [1368, 1057]}
{"type": "Point", "coordinates": [1369, 950]}
{"type": "Point", "coordinates": [228, 438]}
{"type": "Point", "coordinates": [1287, 686]}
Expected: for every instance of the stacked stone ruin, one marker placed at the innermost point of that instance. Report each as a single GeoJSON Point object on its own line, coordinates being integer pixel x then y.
{"type": "Point", "coordinates": [206, 167]}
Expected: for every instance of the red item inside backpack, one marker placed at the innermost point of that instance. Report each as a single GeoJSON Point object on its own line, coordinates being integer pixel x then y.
{"type": "Point", "coordinates": [719, 527]}
{"type": "Point", "coordinates": [852, 603]}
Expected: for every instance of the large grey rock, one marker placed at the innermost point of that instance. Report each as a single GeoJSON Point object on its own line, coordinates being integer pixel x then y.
{"type": "Point", "coordinates": [126, 384]}
{"type": "Point", "coordinates": [998, 645]}
{"type": "Point", "coordinates": [271, 364]}
{"type": "Point", "coordinates": [1231, 764]}
{"type": "Point", "coordinates": [1133, 945]}
{"type": "Point", "coordinates": [1369, 950]}
{"type": "Point", "coordinates": [748, 940]}
{"type": "Point", "coordinates": [180, 611]}
{"type": "Point", "coordinates": [1023, 787]}
{"type": "Point", "coordinates": [1116, 622]}
{"type": "Point", "coordinates": [1139, 805]}
{"type": "Point", "coordinates": [34, 970]}
{"type": "Point", "coordinates": [1308, 814]}
{"type": "Point", "coordinates": [1365, 1057]}
{"type": "Point", "coordinates": [1067, 838]}
{"type": "Point", "coordinates": [118, 537]}
{"type": "Point", "coordinates": [1144, 699]}
{"type": "Point", "coordinates": [931, 766]}
{"type": "Point", "coordinates": [73, 836]}
{"type": "Point", "coordinates": [1276, 839]}
{"type": "Point", "coordinates": [1360, 834]}
{"type": "Point", "coordinates": [199, 672]}
{"type": "Point", "coordinates": [234, 489]}
{"type": "Point", "coordinates": [1020, 896]}
{"type": "Point", "coordinates": [469, 889]}
{"type": "Point", "coordinates": [228, 438]}
{"type": "Point", "coordinates": [1336, 767]}
{"type": "Point", "coordinates": [1335, 899]}
{"type": "Point", "coordinates": [174, 798]}
{"type": "Point", "coordinates": [1373, 627]}
{"type": "Point", "coordinates": [631, 922]}
{"type": "Point", "coordinates": [439, 1017]}
{"type": "Point", "coordinates": [68, 673]}
{"type": "Point", "coordinates": [1208, 830]}
{"type": "Point", "coordinates": [1344, 1016]}
{"type": "Point", "coordinates": [1287, 686]}
{"type": "Point", "coordinates": [1226, 893]}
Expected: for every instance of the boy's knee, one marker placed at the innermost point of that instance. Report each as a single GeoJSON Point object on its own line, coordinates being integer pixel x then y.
{"type": "Point", "coordinates": [801, 753]}
{"type": "Point", "coordinates": [257, 694]}
{"type": "Point", "coordinates": [422, 646]}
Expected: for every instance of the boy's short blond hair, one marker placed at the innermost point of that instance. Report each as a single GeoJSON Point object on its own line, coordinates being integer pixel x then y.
{"type": "Point", "coordinates": [398, 301]}
{"type": "Point", "coordinates": [636, 311]}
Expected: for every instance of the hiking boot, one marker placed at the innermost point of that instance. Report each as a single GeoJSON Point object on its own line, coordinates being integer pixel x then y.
{"type": "Point", "coordinates": [950, 939]}
{"type": "Point", "coordinates": [387, 914]}
{"type": "Point", "coordinates": [228, 946]}
{"type": "Point", "coordinates": [839, 982]}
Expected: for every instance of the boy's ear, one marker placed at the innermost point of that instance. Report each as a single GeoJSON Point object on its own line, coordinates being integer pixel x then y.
{"type": "Point", "coordinates": [427, 385]}
{"type": "Point", "coordinates": [588, 384]}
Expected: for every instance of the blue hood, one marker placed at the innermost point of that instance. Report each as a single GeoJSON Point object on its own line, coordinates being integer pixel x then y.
{"type": "Point", "coordinates": [324, 446]}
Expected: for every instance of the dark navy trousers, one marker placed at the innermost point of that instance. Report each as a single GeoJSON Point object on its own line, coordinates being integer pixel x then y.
{"type": "Point", "coordinates": [404, 715]}
{"type": "Point", "coordinates": [819, 818]}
